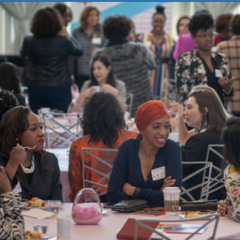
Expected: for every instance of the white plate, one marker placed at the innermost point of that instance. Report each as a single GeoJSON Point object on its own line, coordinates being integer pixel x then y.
{"type": "Point", "coordinates": [23, 205]}
{"type": "Point", "coordinates": [182, 216]}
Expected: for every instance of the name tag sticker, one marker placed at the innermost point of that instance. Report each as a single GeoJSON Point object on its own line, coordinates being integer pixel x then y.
{"type": "Point", "coordinates": [218, 73]}
{"type": "Point", "coordinates": [96, 40]}
{"type": "Point", "coordinates": [17, 188]}
{"type": "Point", "coordinates": [158, 173]}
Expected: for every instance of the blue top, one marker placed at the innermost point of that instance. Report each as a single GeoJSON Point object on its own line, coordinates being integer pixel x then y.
{"type": "Point", "coordinates": [127, 168]}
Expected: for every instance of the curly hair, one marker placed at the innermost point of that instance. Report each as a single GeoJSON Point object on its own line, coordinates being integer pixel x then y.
{"type": "Point", "coordinates": [46, 22]}
{"type": "Point", "coordinates": [200, 20]}
{"type": "Point", "coordinates": [180, 19]}
{"type": "Point", "coordinates": [102, 117]}
{"type": "Point", "coordinates": [222, 21]}
{"type": "Point", "coordinates": [7, 102]}
{"type": "Point", "coordinates": [235, 24]}
{"type": "Point", "coordinates": [231, 141]}
{"type": "Point", "coordinates": [116, 29]}
{"type": "Point", "coordinates": [106, 61]}
{"type": "Point", "coordinates": [10, 77]}
{"type": "Point", "coordinates": [159, 10]}
{"type": "Point", "coordinates": [62, 8]}
{"type": "Point", "coordinates": [12, 126]}
{"type": "Point", "coordinates": [84, 16]}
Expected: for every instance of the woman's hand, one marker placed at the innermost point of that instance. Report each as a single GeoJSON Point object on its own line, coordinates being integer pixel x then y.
{"type": "Point", "coordinates": [168, 182]}
{"type": "Point", "coordinates": [222, 208]}
{"type": "Point", "coordinates": [173, 106]}
{"type": "Point", "coordinates": [226, 84]}
{"type": "Point", "coordinates": [108, 88]}
{"type": "Point", "coordinates": [17, 156]}
{"type": "Point", "coordinates": [128, 189]}
{"type": "Point", "coordinates": [88, 92]}
{"type": "Point", "coordinates": [5, 185]}
{"type": "Point", "coordinates": [94, 49]}
{"type": "Point", "coordinates": [64, 31]}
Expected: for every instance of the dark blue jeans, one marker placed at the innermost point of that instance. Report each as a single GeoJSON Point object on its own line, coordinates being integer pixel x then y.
{"type": "Point", "coordinates": [50, 97]}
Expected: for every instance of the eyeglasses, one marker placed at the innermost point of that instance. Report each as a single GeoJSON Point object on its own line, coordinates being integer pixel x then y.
{"type": "Point", "coordinates": [204, 36]}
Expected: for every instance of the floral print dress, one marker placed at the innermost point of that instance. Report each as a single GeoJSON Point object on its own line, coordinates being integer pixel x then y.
{"type": "Point", "coordinates": [232, 184]}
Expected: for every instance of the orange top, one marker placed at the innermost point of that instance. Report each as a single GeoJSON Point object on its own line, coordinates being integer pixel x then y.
{"type": "Point", "coordinates": [75, 161]}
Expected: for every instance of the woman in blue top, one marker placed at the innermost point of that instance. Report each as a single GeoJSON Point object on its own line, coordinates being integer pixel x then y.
{"type": "Point", "coordinates": [145, 165]}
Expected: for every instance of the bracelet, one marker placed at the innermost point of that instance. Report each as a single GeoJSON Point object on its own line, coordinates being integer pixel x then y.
{"type": "Point", "coordinates": [136, 192]}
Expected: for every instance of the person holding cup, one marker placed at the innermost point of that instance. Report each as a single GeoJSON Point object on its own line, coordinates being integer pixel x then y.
{"type": "Point", "coordinates": [146, 165]}
{"type": "Point", "coordinates": [102, 78]}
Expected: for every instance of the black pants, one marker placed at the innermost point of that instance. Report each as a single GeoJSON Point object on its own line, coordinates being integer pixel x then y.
{"type": "Point", "coordinates": [80, 79]}
{"type": "Point", "coordinates": [50, 97]}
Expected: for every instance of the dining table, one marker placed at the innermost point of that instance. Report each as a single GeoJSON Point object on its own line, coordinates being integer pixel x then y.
{"type": "Point", "coordinates": [112, 222]}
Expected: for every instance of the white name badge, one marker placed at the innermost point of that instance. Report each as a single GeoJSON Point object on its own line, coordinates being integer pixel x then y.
{"type": "Point", "coordinates": [158, 173]}
{"type": "Point", "coordinates": [218, 73]}
{"type": "Point", "coordinates": [96, 40]}
{"type": "Point", "coordinates": [17, 188]}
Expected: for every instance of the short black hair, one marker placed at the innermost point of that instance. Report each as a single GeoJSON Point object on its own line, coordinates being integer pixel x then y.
{"type": "Point", "coordinates": [117, 28]}
{"type": "Point", "coordinates": [7, 102]}
{"type": "Point", "coordinates": [62, 8]}
{"type": "Point", "coordinates": [46, 22]}
{"type": "Point", "coordinates": [102, 117]}
{"type": "Point", "coordinates": [235, 24]}
{"type": "Point", "coordinates": [231, 141]}
{"type": "Point", "coordinates": [200, 20]}
{"type": "Point", "coordinates": [10, 77]}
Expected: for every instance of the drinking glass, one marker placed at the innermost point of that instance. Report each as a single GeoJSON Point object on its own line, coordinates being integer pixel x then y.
{"type": "Point", "coordinates": [52, 205]}
{"type": "Point", "coordinates": [41, 225]}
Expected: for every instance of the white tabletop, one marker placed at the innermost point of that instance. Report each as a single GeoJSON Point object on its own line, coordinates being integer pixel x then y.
{"type": "Point", "coordinates": [111, 223]}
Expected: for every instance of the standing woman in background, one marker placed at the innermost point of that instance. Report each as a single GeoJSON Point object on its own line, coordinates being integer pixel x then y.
{"type": "Point", "coordinates": [162, 45]}
{"type": "Point", "coordinates": [47, 72]}
{"type": "Point", "coordinates": [90, 37]}
{"type": "Point", "coordinates": [65, 12]}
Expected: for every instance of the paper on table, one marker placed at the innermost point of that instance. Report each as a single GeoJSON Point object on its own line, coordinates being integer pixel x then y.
{"type": "Point", "coordinates": [38, 213]}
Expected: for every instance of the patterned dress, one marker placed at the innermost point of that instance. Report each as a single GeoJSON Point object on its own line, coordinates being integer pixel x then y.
{"type": "Point", "coordinates": [75, 161]}
{"type": "Point", "coordinates": [162, 52]}
{"type": "Point", "coordinates": [232, 184]}
{"type": "Point", "coordinates": [11, 220]}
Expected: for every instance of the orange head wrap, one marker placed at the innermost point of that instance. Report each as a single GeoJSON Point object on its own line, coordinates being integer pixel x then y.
{"type": "Point", "coordinates": [149, 112]}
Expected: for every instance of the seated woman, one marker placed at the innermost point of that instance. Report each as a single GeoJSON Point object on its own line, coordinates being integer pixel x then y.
{"type": "Point", "coordinates": [231, 141]}
{"type": "Point", "coordinates": [132, 174]}
{"type": "Point", "coordinates": [10, 79]}
{"type": "Point", "coordinates": [103, 127]}
{"type": "Point", "coordinates": [36, 170]}
{"type": "Point", "coordinates": [178, 123]}
{"type": "Point", "coordinates": [203, 112]}
{"type": "Point", "coordinates": [102, 75]}
{"type": "Point", "coordinates": [7, 101]}
{"type": "Point", "coordinates": [11, 220]}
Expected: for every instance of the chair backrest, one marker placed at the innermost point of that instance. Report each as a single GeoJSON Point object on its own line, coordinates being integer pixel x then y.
{"type": "Point", "coordinates": [204, 166]}
{"type": "Point", "coordinates": [61, 129]}
{"type": "Point", "coordinates": [163, 236]}
{"type": "Point", "coordinates": [96, 168]}
{"type": "Point", "coordinates": [214, 154]}
{"type": "Point", "coordinates": [129, 102]}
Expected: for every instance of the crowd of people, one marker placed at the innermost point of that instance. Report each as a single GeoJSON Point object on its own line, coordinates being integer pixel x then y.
{"type": "Point", "coordinates": [111, 61]}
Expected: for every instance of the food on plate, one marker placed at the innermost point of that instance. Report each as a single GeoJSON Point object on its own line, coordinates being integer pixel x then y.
{"type": "Point", "coordinates": [193, 214]}
{"type": "Point", "coordinates": [35, 202]}
{"type": "Point", "coordinates": [32, 235]}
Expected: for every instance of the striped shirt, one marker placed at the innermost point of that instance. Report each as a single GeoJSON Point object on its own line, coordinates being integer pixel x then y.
{"type": "Point", "coordinates": [131, 63]}
{"type": "Point", "coordinates": [11, 221]}
{"type": "Point", "coordinates": [87, 43]}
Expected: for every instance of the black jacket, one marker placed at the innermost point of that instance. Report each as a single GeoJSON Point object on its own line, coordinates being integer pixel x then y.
{"type": "Point", "coordinates": [47, 64]}
{"type": "Point", "coordinates": [195, 150]}
{"type": "Point", "coordinates": [47, 187]}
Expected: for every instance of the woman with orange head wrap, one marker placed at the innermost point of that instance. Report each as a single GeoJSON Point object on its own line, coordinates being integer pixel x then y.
{"type": "Point", "coordinates": [145, 165]}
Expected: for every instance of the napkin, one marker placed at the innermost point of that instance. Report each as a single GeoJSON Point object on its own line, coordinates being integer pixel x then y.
{"type": "Point", "coordinates": [38, 213]}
